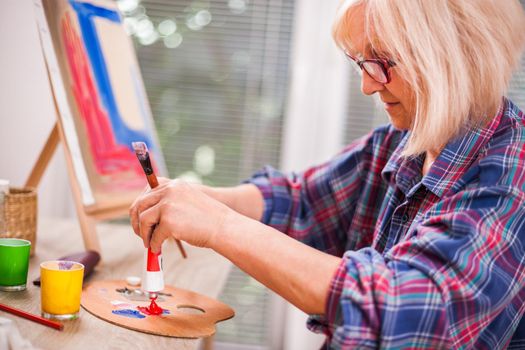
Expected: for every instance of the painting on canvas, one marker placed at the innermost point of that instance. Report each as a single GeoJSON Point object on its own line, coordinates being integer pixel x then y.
{"type": "Point", "coordinates": [99, 94]}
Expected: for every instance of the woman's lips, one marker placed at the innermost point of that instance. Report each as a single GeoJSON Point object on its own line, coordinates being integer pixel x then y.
{"type": "Point", "coordinates": [390, 105]}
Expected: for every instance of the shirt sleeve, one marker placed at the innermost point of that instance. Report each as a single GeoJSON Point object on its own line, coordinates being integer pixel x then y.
{"type": "Point", "coordinates": [317, 206]}
{"type": "Point", "coordinates": [453, 275]}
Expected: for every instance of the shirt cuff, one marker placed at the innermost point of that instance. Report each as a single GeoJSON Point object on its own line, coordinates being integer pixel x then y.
{"type": "Point", "coordinates": [328, 322]}
{"type": "Point", "coordinates": [262, 181]}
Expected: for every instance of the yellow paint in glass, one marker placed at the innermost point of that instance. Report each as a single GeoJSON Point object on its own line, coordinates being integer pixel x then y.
{"type": "Point", "coordinates": [61, 287]}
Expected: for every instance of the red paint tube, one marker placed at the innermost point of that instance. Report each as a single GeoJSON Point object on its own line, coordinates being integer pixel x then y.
{"type": "Point", "coordinates": [153, 277]}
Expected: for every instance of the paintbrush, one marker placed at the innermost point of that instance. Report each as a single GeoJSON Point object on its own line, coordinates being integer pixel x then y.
{"type": "Point", "coordinates": [141, 150]}
{"type": "Point", "coordinates": [35, 318]}
{"type": "Point", "coordinates": [152, 277]}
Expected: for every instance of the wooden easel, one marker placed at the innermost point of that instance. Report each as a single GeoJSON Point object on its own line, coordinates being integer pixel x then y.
{"type": "Point", "coordinates": [87, 216]}
{"type": "Point", "coordinates": [87, 223]}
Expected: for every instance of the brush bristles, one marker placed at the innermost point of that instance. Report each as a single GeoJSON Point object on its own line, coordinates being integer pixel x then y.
{"type": "Point", "coordinates": [140, 148]}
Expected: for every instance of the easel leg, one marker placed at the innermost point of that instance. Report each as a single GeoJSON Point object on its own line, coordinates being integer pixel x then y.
{"type": "Point", "coordinates": [89, 230]}
{"type": "Point", "coordinates": [87, 223]}
{"type": "Point", "coordinates": [44, 158]}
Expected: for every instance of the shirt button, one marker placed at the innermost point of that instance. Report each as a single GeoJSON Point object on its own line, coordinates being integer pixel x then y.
{"type": "Point", "coordinates": [404, 218]}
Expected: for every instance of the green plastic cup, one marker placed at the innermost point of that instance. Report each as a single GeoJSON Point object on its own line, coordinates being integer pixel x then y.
{"type": "Point", "coordinates": [14, 263]}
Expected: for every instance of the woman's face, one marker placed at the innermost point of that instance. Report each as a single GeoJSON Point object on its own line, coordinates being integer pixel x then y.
{"type": "Point", "coordinates": [397, 97]}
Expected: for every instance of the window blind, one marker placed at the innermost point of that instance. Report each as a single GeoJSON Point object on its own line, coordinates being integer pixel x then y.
{"type": "Point", "coordinates": [216, 75]}
{"type": "Point", "coordinates": [517, 85]}
{"type": "Point", "coordinates": [364, 113]}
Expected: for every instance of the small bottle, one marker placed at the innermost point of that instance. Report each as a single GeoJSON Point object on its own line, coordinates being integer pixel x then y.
{"type": "Point", "coordinates": [4, 190]}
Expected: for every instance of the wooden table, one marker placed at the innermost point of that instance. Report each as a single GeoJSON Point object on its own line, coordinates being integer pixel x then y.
{"type": "Point", "coordinates": [203, 272]}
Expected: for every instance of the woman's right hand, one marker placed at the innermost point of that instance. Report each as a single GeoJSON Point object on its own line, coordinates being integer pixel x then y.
{"type": "Point", "coordinates": [178, 209]}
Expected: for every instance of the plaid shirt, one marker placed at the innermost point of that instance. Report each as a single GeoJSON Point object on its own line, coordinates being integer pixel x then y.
{"type": "Point", "coordinates": [434, 262]}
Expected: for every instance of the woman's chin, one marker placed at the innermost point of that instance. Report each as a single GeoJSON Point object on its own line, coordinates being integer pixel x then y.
{"type": "Point", "coordinates": [400, 125]}
{"type": "Point", "coordinates": [399, 122]}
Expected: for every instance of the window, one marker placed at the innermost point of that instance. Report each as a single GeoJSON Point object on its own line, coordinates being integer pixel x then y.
{"type": "Point", "coordinates": [216, 76]}
{"type": "Point", "coordinates": [364, 114]}
{"type": "Point", "coordinates": [517, 85]}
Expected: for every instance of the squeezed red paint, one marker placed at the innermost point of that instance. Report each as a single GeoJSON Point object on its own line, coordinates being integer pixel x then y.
{"type": "Point", "coordinates": [153, 309]}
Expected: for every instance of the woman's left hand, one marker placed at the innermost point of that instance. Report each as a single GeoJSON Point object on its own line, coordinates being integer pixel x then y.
{"type": "Point", "coordinates": [180, 210]}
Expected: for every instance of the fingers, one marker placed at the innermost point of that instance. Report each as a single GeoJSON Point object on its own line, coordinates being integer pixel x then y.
{"type": "Point", "coordinates": [133, 212]}
{"type": "Point", "coordinates": [163, 181]}
{"type": "Point", "coordinates": [158, 237]}
{"type": "Point", "coordinates": [148, 219]}
{"type": "Point", "coordinates": [163, 227]}
{"type": "Point", "coordinates": [151, 213]}
{"type": "Point", "coordinates": [147, 199]}
{"type": "Point", "coordinates": [141, 204]}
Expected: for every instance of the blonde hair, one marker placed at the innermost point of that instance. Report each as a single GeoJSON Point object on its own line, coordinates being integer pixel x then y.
{"type": "Point", "coordinates": [458, 56]}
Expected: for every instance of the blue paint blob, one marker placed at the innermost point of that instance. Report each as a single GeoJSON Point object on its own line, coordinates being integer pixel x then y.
{"type": "Point", "coordinates": [165, 312]}
{"type": "Point", "coordinates": [128, 313]}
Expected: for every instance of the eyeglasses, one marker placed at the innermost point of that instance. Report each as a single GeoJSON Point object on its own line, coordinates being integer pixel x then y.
{"type": "Point", "coordinates": [377, 68]}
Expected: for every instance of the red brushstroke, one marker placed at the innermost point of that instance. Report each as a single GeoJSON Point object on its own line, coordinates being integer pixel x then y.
{"type": "Point", "coordinates": [152, 310]}
{"type": "Point", "coordinates": [108, 156]}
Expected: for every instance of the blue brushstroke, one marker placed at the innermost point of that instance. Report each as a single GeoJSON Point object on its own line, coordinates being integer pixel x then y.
{"type": "Point", "coordinates": [86, 13]}
{"type": "Point", "coordinates": [128, 313]}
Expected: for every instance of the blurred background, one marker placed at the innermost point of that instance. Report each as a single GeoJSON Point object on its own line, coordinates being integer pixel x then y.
{"type": "Point", "coordinates": [233, 85]}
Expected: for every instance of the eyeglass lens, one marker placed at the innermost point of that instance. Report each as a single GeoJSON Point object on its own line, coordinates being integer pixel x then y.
{"type": "Point", "coordinates": [375, 70]}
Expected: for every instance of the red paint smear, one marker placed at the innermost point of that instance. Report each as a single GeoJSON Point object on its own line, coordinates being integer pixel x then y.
{"type": "Point", "coordinates": [153, 261]}
{"type": "Point", "coordinates": [108, 156]}
{"type": "Point", "coordinates": [152, 310]}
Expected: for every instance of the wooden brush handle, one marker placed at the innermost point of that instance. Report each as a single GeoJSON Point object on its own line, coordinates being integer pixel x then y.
{"type": "Point", "coordinates": [152, 180]}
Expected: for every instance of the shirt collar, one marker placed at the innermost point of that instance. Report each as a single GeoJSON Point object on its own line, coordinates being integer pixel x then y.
{"type": "Point", "coordinates": [401, 171]}
{"type": "Point", "coordinates": [449, 166]}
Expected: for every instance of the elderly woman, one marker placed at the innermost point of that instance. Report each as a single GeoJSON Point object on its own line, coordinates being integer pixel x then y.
{"type": "Point", "coordinates": [414, 235]}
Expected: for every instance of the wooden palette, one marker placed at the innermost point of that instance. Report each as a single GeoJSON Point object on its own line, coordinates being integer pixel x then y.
{"type": "Point", "coordinates": [191, 315]}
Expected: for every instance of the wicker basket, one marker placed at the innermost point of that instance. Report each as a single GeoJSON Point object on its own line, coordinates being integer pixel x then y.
{"type": "Point", "coordinates": [20, 210]}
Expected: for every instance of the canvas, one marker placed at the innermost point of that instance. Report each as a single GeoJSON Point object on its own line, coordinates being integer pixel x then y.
{"type": "Point", "coordinates": [100, 97]}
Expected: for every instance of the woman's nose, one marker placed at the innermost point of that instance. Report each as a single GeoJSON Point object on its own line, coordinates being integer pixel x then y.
{"type": "Point", "coordinates": [368, 85]}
